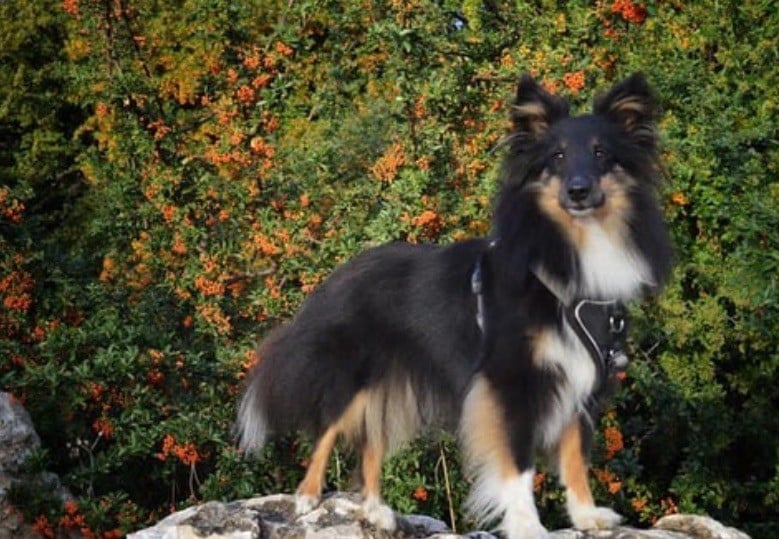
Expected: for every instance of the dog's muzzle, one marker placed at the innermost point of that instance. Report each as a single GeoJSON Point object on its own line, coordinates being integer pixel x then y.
{"type": "Point", "coordinates": [580, 195]}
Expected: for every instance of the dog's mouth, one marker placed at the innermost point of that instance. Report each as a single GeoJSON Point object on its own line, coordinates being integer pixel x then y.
{"type": "Point", "coordinates": [580, 195]}
{"type": "Point", "coordinates": [582, 207]}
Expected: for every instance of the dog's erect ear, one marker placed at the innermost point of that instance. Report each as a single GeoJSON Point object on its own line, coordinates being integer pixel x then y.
{"type": "Point", "coordinates": [632, 105]}
{"type": "Point", "coordinates": [534, 109]}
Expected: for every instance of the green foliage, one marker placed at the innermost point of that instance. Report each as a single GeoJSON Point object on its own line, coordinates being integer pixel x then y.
{"type": "Point", "coordinates": [174, 179]}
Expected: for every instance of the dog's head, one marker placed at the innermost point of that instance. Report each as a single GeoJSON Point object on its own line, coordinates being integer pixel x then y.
{"type": "Point", "coordinates": [592, 177]}
{"type": "Point", "coordinates": [581, 162]}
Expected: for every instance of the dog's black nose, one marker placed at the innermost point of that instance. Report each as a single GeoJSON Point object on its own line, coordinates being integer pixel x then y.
{"type": "Point", "coordinates": [579, 188]}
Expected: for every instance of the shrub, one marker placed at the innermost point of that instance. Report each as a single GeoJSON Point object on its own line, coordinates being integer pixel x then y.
{"type": "Point", "coordinates": [176, 178]}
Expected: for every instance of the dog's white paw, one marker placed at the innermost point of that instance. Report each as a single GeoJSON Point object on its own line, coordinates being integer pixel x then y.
{"type": "Point", "coordinates": [379, 514]}
{"type": "Point", "coordinates": [305, 503]}
{"type": "Point", "coordinates": [523, 526]}
{"type": "Point", "coordinates": [592, 518]}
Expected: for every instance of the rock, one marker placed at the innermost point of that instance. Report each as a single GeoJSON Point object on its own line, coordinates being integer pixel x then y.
{"type": "Point", "coordinates": [340, 516]}
{"type": "Point", "coordinates": [699, 526]}
{"type": "Point", "coordinates": [18, 440]}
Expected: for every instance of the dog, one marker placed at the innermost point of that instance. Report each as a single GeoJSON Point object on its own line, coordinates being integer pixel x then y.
{"type": "Point", "coordinates": [510, 339]}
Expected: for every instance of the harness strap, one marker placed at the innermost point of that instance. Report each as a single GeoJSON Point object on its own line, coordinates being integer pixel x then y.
{"type": "Point", "coordinates": [601, 326]}
{"type": "Point", "coordinates": [477, 285]}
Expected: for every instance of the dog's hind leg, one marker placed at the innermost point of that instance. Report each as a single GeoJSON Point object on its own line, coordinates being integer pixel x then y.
{"type": "Point", "coordinates": [376, 511]}
{"type": "Point", "coordinates": [350, 424]}
{"type": "Point", "coordinates": [573, 475]}
{"type": "Point", "coordinates": [310, 489]}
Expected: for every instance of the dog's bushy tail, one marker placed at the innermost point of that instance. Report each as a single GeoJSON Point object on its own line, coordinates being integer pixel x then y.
{"type": "Point", "coordinates": [262, 407]}
{"type": "Point", "coordinates": [252, 424]}
{"type": "Point", "coordinates": [307, 380]}
{"type": "Point", "coordinates": [300, 384]}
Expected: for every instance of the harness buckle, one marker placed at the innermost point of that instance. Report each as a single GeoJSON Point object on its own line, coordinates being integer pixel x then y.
{"type": "Point", "coordinates": [616, 324]}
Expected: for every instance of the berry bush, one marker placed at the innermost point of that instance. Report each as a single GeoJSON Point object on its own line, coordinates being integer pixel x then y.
{"type": "Point", "coordinates": [176, 177]}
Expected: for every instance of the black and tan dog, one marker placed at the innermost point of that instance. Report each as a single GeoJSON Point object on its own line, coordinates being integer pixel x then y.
{"type": "Point", "coordinates": [508, 339]}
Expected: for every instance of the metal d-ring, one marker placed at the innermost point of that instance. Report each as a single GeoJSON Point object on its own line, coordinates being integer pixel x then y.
{"type": "Point", "coordinates": [616, 324]}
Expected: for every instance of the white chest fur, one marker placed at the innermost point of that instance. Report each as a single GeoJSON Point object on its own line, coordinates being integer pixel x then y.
{"type": "Point", "coordinates": [565, 353]}
{"type": "Point", "coordinates": [609, 267]}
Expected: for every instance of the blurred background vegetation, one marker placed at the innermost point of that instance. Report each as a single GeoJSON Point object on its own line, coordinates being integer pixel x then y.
{"type": "Point", "coordinates": [175, 177]}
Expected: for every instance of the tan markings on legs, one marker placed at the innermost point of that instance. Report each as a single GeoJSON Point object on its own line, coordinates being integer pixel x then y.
{"type": "Point", "coordinates": [573, 466]}
{"type": "Point", "coordinates": [499, 489]}
{"type": "Point", "coordinates": [312, 482]}
{"type": "Point", "coordinates": [372, 455]}
{"type": "Point", "coordinates": [573, 474]}
{"type": "Point", "coordinates": [376, 512]}
{"type": "Point", "coordinates": [483, 431]}
{"type": "Point", "coordinates": [392, 414]}
{"type": "Point", "coordinates": [352, 423]}
{"type": "Point", "coordinates": [349, 424]}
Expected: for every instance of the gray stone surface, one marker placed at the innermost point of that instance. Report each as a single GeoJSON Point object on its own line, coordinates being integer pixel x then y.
{"type": "Point", "coordinates": [699, 526]}
{"type": "Point", "coordinates": [18, 440]}
{"type": "Point", "coordinates": [340, 516]}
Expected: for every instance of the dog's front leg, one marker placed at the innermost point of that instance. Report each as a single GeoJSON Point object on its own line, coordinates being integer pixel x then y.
{"type": "Point", "coordinates": [503, 478]}
{"type": "Point", "coordinates": [520, 520]}
{"type": "Point", "coordinates": [583, 512]}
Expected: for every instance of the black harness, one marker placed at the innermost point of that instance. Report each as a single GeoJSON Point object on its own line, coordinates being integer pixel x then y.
{"type": "Point", "coordinates": [477, 287]}
{"type": "Point", "coordinates": [601, 325]}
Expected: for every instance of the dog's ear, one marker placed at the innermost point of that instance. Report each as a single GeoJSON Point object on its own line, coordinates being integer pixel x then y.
{"type": "Point", "coordinates": [632, 105]}
{"type": "Point", "coordinates": [534, 109]}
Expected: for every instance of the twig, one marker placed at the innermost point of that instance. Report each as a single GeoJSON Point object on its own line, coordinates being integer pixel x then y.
{"type": "Point", "coordinates": [193, 478]}
{"type": "Point", "coordinates": [448, 488]}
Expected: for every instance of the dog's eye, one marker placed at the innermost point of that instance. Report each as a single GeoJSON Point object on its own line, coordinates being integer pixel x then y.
{"type": "Point", "coordinates": [558, 156]}
{"type": "Point", "coordinates": [599, 153]}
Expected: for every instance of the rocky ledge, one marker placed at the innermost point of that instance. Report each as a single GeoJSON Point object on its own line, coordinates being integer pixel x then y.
{"type": "Point", "coordinates": [340, 516]}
